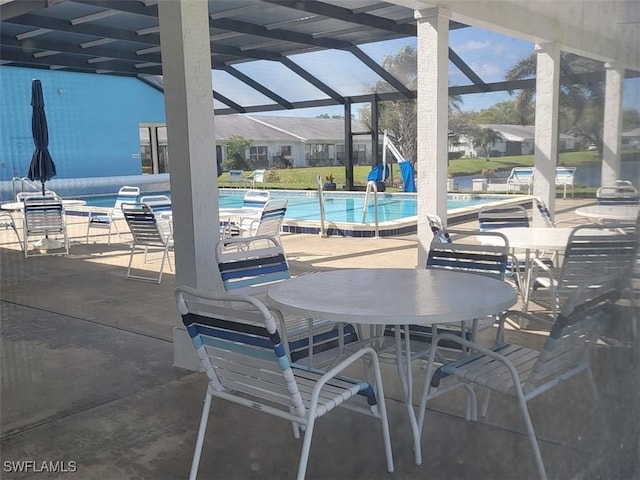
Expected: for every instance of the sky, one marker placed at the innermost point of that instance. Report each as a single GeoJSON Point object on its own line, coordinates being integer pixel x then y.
{"type": "Point", "coordinates": [489, 54]}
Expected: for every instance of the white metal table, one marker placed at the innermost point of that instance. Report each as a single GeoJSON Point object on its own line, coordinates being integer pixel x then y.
{"type": "Point", "coordinates": [380, 296]}
{"type": "Point", "coordinates": [622, 213]}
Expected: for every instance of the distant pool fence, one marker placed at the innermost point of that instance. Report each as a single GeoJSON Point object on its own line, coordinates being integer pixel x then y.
{"type": "Point", "coordinates": [83, 187]}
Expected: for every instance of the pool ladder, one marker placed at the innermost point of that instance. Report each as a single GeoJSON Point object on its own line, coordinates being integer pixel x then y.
{"type": "Point", "coordinates": [371, 187]}
{"type": "Point", "coordinates": [323, 231]}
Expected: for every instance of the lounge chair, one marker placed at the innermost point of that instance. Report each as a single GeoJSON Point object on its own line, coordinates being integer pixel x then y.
{"type": "Point", "coordinates": [622, 194]}
{"type": "Point", "coordinates": [519, 177]}
{"type": "Point", "coordinates": [105, 220]}
{"type": "Point", "coordinates": [6, 222]}
{"type": "Point", "coordinates": [241, 351]}
{"type": "Point", "coordinates": [565, 177]}
{"type": "Point", "coordinates": [257, 176]}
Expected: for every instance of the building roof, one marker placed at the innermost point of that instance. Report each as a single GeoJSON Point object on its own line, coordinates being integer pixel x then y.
{"type": "Point", "coordinates": [632, 133]}
{"type": "Point", "coordinates": [518, 133]}
{"type": "Point", "coordinates": [282, 129]}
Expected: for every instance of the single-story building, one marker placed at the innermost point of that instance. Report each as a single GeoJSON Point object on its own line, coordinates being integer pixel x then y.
{"type": "Point", "coordinates": [106, 125]}
{"type": "Point", "coordinates": [516, 140]}
{"type": "Point", "coordinates": [631, 139]}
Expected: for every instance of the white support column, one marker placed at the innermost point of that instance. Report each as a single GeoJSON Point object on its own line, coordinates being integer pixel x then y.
{"type": "Point", "coordinates": [546, 125]}
{"type": "Point", "coordinates": [433, 121]}
{"type": "Point", "coordinates": [611, 140]}
{"type": "Point", "coordinates": [186, 67]}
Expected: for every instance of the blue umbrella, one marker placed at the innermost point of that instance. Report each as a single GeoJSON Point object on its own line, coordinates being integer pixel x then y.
{"type": "Point", "coordinates": [42, 167]}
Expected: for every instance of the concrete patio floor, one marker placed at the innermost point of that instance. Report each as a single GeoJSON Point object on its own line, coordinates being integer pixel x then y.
{"type": "Point", "coordinates": [87, 377]}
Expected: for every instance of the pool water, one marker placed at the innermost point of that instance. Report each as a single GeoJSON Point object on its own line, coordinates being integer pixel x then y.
{"type": "Point", "coordinates": [339, 207]}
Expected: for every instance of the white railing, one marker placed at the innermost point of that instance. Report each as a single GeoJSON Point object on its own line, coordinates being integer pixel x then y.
{"type": "Point", "coordinates": [371, 187]}
{"type": "Point", "coordinates": [323, 232]}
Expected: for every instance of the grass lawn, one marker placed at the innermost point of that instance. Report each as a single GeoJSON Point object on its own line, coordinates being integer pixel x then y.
{"type": "Point", "coordinates": [304, 178]}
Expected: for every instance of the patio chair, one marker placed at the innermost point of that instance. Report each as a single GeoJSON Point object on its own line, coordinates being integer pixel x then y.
{"type": "Point", "coordinates": [236, 177]}
{"type": "Point", "coordinates": [241, 351]}
{"type": "Point", "coordinates": [269, 222]}
{"type": "Point", "coordinates": [109, 219]}
{"type": "Point", "coordinates": [147, 233]}
{"type": "Point", "coordinates": [592, 251]}
{"type": "Point", "coordinates": [519, 177]}
{"type": "Point", "coordinates": [453, 255]}
{"type": "Point", "coordinates": [6, 222]}
{"type": "Point", "coordinates": [512, 216]}
{"type": "Point", "coordinates": [257, 176]}
{"type": "Point", "coordinates": [565, 177]}
{"type": "Point", "coordinates": [521, 372]}
{"type": "Point", "coordinates": [161, 207]}
{"type": "Point", "coordinates": [622, 194]}
{"type": "Point", "coordinates": [44, 217]}
{"type": "Point", "coordinates": [255, 198]}
{"type": "Point", "coordinates": [250, 266]}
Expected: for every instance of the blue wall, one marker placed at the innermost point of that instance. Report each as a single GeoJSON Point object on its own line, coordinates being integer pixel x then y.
{"type": "Point", "coordinates": [93, 121]}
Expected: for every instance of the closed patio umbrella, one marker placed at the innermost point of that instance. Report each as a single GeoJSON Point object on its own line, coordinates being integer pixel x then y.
{"type": "Point", "coordinates": [42, 167]}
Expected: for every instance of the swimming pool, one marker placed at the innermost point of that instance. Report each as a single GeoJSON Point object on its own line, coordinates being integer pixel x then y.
{"type": "Point", "coordinates": [397, 212]}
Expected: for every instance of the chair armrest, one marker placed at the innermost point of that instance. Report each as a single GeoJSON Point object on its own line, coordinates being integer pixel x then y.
{"type": "Point", "coordinates": [348, 361]}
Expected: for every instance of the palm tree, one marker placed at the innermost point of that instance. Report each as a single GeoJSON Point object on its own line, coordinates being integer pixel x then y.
{"type": "Point", "coordinates": [486, 138]}
{"type": "Point", "coordinates": [578, 101]}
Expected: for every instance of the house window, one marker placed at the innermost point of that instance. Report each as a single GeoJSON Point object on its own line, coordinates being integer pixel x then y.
{"type": "Point", "coordinates": [319, 154]}
{"type": "Point", "coordinates": [258, 157]}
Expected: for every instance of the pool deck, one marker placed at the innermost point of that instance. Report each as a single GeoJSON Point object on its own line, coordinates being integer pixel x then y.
{"type": "Point", "coordinates": [87, 376]}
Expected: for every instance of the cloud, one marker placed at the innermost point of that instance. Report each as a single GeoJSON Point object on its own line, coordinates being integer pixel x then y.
{"type": "Point", "coordinates": [489, 72]}
{"type": "Point", "coordinates": [473, 46]}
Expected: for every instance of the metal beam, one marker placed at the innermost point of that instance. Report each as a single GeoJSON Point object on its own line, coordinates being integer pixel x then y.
{"type": "Point", "coordinates": [257, 86]}
{"type": "Point", "coordinates": [384, 74]}
{"type": "Point", "coordinates": [237, 108]}
{"type": "Point", "coordinates": [312, 80]}
{"type": "Point", "coordinates": [467, 71]}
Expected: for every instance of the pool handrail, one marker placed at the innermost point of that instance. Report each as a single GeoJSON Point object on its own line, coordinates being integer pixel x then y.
{"type": "Point", "coordinates": [323, 231]}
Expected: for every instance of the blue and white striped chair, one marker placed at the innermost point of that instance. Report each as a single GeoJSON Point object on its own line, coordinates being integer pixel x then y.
{"type": "Point", "coordinates": [250, 266]}
{"type": "Point", "coordinates": [44, 217]}
{"type": "Point", "coordinates": [521, 372]}
{"type": "Point", "coordinates": [242, 353]}
{"type": "Point", "coordinates": [106, 220]}
{"type": "Point", "coordinates": [147, 233]}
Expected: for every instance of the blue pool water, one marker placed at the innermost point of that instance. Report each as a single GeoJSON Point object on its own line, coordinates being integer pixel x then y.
{"type": "Point", "coordinates": [339, 207]}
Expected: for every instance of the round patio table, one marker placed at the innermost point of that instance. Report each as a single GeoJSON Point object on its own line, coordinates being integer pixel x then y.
{"type": "Point", "coordinates": [623, 213]}
{"type": "Point", "coordinates": [393, 296]}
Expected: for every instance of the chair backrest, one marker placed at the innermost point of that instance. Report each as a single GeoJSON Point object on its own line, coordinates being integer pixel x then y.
{"type": "Point", "coordinates": [618, 195]}
{"type": "Point", "coordinates": [240, 349]}
{"type": "Point", "coordinates": [491, 218]}
{"type": "Point", "coordinates": [565, 175]}
{"type": "Point", "coordinates": [521, 176]}
{"type": "Point", "coordinates": [20, 196]}
{"type": "Point", "coordinates": [594, 251]}
{"type": "Point", "coordinates": [236, 176]}
{"type": "Point", "coordinates": [158, 203]}
{"type": "Point", "coordinates": [256, 198]}
{"type": "Point", "coordinates": [125, 195]}
{"type": "Point", "coordinates": [483, 259]}
{"type": "Point", "coordinates": [258, 176]}
{"type": "Point", "coordinates": [143, 224]}
{"type": "Point", "coordinates": [43, 214]}
{"type": "Point", "coordinates": [252, 264]}
{"type": "Point", "coordinates": [272, 217]}
{"type": "Point", "coordinates": [574, 331]}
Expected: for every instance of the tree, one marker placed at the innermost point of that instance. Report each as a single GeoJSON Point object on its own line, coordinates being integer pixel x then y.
{"type": "Point", "coordinates": [581, 105]}
{"type": "Point", "coordinates": [486, 138]}
{"type": "Point", "coordinates": [399, 117]}
{"type": "Point", "coordinates": [504, 113]}
{"type": "Point", "coordinates": [236, 146]}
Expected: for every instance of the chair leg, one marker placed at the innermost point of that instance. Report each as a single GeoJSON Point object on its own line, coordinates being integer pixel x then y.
{"type": "Point", "coordinates": [382, 413]}
{"type": "Point", "coordinates": [200, 440]}
{"type": "Point", "coordinates": [133, 251]}
{"type": "Point", "coordinates": [306, 446]}
{"type": "Point", "coordinates": [532, 438]}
